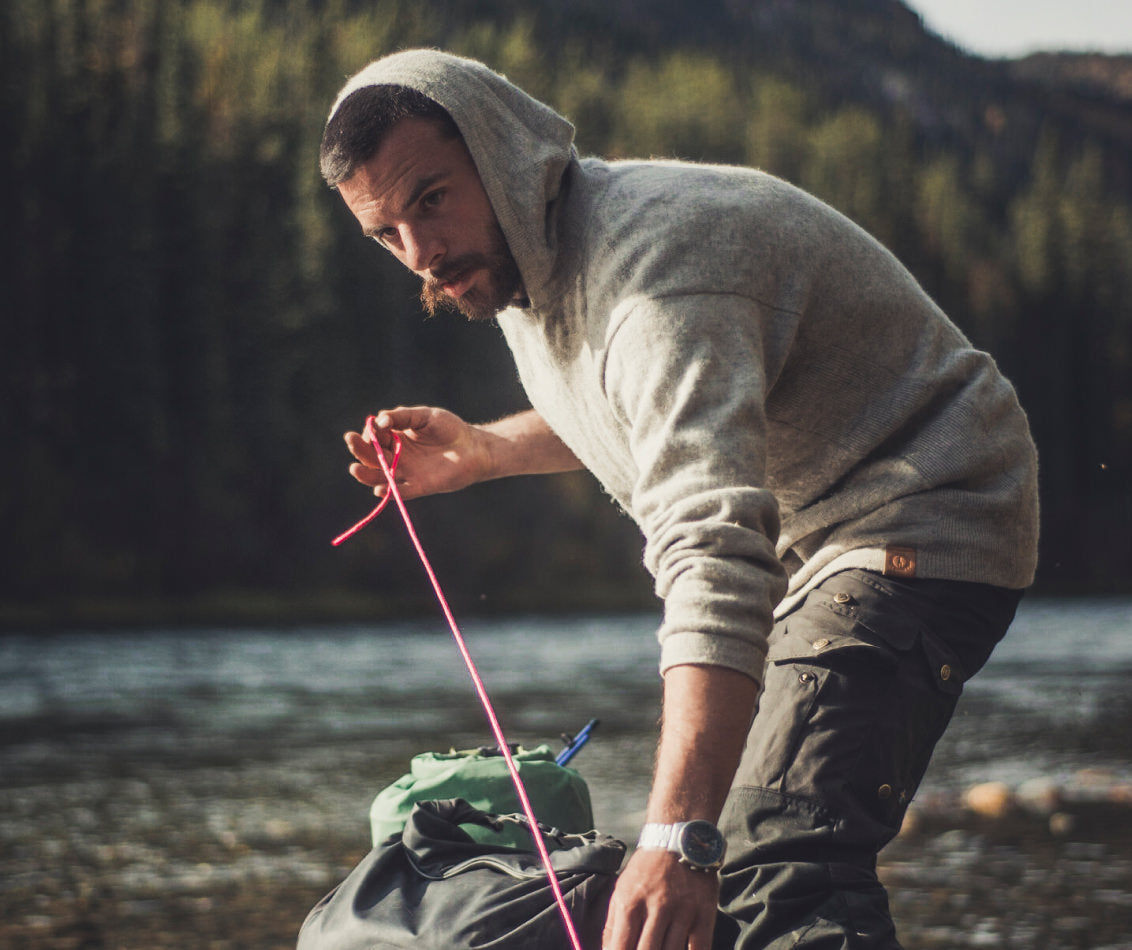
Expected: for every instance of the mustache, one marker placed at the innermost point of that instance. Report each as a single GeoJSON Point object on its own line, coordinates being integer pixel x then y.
{"type": "Point", "coordinates": [458, 267]}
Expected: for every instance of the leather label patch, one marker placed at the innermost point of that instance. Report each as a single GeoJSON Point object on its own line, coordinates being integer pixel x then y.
{"type": "Point", "coordinates": [899, 561]}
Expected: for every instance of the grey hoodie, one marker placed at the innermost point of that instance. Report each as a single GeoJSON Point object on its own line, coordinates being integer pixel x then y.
{"type": "Point", "coordinates": [755, 380]}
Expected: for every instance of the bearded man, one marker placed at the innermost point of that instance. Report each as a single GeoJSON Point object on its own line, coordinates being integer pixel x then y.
{"type": "Point", "coordinates": [837, 492]}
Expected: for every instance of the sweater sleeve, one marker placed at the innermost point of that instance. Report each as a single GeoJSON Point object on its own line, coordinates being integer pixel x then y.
{"type": "Point", "coordinates": [687, 377]}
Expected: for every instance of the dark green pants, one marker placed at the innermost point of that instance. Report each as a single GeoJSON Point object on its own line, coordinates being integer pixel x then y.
{"type": "Point", "coordinates": [862, 679]}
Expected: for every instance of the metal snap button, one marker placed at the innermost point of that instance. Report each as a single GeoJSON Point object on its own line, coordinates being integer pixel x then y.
{"type": "Point", "coordinates": [806, 677]}
{"type": "Point", "coordinates": [945, 672]}
{"type": "Point", "coordinates": [841, 597]}
{"type": "Point", "coordinates": [885, 791]}
{"type": "Point", "coordinates": [820, 644]}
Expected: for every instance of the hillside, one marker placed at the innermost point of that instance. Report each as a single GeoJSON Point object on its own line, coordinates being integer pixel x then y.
{"type": "Point", "coordinates": [1093, 75]}
{"type": "Point", "coordinates": [191, 319]}
{"type": "Point", "coordinates": [879, 55]}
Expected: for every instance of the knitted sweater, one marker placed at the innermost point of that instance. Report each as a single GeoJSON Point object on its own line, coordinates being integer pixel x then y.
{"type": "Point", "coordinates": [761, 385]}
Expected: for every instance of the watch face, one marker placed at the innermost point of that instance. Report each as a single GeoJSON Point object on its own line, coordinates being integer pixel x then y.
{"type": "Point", "coordinates": [701, 844]}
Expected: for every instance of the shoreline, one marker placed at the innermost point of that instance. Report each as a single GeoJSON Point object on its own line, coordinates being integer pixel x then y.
{"type": "Point", "coordinates": [956, 879]}
{"type": "Point", "coordinates": [243, 608]}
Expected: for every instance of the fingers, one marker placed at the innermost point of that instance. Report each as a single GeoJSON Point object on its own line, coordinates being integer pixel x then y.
{"type": "Point", "coordinates": [439, 451]}
{"type": "Point", "coordinates": [408, 420]}
{"type": "Point", "coordinates": [702, 935]}
{"type": "Point", "coordinates": [367, 469]}
{"type": "Point", "coordinates": [364, 451]}
{"type": "Point", "coordinates": [402, 419]}
{"type": "Point", "coordinates": [660, 905]}
{"type": "Point", "coordinates": [370, 475]}
{"type": "Point", "coordinates": [621, 930]}
{"type": "Point", "coordinates": [386, 423]}
{"type": "Point", "coordinates": [660, 930]}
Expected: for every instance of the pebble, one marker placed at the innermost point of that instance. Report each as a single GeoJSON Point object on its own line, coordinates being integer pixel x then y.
{"type": "Point", "coordinates": [990, 799]}
{"type": "Point", "coordinates": [1040, 796]}
{"type": "Point", "coordinates": [1045, 798]}
{"type": "Point", "coordinates": [1062, 824]}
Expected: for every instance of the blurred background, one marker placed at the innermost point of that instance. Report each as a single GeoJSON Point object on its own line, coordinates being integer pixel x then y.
{"type": "Point", "coordinates": [199, 696]}
{"type": "Point", "coordinates": [191, 320]}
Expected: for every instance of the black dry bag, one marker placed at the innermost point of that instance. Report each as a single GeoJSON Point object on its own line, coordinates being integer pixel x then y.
{"type": "Point", "coordinates": [436, 887]}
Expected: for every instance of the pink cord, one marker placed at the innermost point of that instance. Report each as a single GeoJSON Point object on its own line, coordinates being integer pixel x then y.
{"type": "Point", "coordinates": [389, 474]}
{"type": "Point", "coordinates": [481, 690]}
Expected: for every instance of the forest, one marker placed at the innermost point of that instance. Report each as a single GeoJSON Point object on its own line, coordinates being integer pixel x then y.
{"type": "Point", "coordinates": [191, 319]}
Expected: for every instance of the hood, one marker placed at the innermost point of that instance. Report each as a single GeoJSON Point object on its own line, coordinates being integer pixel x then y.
{"type": "Point", "coordinates": [521, 147]}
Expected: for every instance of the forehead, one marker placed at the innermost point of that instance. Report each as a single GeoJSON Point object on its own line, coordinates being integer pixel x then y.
{"type": "Point", "coordinates": [414, 153]}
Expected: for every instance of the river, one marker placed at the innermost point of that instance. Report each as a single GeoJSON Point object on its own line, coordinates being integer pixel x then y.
{"type": "Point", "coordinates": [167, 762]}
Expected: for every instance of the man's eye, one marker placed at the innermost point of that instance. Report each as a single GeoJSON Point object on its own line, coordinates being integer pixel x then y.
{"type": "Point", "coordinates": [432, 199]}
{"type": "Point", "coordinates": [384, 236]}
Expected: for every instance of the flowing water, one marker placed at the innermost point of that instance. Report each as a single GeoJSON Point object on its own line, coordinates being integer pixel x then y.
{"type": "Point", "coordinates": [164, 762]}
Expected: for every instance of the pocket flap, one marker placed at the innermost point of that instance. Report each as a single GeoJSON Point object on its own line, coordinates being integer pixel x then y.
{"type": "Point", "coordinates": [814, 631]}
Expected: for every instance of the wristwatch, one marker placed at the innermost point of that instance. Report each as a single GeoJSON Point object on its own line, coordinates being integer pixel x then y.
{"type": "Point", "coordinates": [698, 843]}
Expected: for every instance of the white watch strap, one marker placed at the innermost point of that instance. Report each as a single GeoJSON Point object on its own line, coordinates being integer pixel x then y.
{"type": "Point", "coordinates": [660, 837]}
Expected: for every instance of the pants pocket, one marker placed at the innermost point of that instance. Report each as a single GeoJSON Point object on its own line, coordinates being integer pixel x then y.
{"type": "Point", "coordinates": [853, 705]}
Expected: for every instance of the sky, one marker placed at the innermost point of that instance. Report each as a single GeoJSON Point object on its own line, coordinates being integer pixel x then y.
{"type": "Point", "coordinates": [995, 28]}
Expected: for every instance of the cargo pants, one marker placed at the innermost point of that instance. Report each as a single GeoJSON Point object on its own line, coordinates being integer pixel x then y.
{"type": "Point", "coordinates": [862, 679]}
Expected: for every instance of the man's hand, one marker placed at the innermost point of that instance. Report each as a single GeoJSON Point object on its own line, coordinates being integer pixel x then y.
{"type": "Point", "coordinates": [660, 904]}
{"type": "Point", "coordinates": [440, 452]}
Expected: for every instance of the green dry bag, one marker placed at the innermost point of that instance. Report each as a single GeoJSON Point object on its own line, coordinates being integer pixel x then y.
{"type": "Point", "coordinates": [559, 795]}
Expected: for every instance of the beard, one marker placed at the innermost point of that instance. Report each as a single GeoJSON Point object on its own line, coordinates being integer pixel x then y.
{"type": "Point", "coordinates": [504, 284]}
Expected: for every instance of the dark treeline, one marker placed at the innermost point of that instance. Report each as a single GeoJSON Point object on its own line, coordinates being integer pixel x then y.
{"type": "Point", "coordinates": [191, 319]}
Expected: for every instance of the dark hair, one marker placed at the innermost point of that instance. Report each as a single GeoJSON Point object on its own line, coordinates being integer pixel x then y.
{"type": "Point", "coordinates": [355, 131]}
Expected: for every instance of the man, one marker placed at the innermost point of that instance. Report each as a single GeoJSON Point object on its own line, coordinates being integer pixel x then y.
{"type": "Point", "coordinates": [794, 426]}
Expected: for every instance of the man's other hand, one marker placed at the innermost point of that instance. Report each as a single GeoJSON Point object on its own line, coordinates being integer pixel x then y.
{"type": "Point", "coordinates": [661, 904]}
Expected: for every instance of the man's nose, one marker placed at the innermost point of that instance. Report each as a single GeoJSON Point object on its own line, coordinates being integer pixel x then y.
{"type": "Point", "coordinates": [423, 249]}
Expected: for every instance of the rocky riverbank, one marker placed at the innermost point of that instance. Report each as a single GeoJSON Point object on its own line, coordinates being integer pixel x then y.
{"type": "Point", "coordinates": [155, 864]}
{"type": "Point", "coordinates": [1038, 866]}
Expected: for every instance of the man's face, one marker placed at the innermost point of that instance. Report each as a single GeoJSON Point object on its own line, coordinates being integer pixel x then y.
{"type": "Point", "coordinates": [421, 198]}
